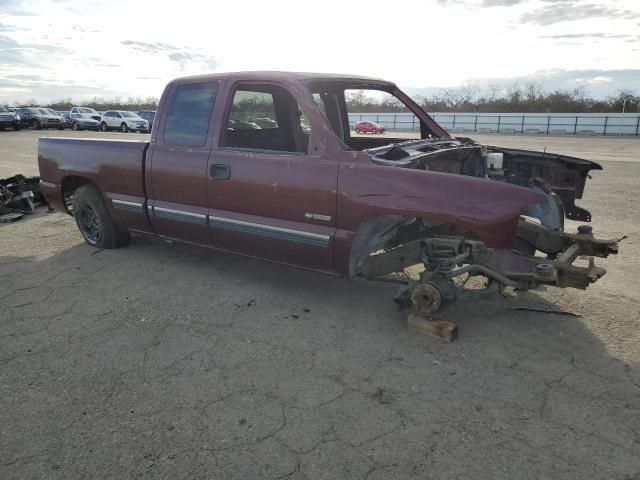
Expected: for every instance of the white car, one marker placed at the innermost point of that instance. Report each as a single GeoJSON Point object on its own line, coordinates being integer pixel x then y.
{"type": "Point", "coordinates": [123, 121]}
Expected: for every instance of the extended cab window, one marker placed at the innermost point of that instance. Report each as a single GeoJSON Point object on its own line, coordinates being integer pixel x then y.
{"type": "Point", "coordinates": [266, 117]}
{"type": "Point", "coordinates": [188, 115]}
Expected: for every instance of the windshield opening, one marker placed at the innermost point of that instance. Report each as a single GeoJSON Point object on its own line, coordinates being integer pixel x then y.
{"type": "Point", "coordinates": [368, 115]}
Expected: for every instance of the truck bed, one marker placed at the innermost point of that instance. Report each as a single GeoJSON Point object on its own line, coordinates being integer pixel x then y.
{"type": "Point", "coordinates": [113, 165]}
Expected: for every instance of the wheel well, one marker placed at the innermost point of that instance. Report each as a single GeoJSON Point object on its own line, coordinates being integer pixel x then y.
{"type": "Point", "coordinates": [390, 231]}
{"type": "Point", "coordinates": [70, 184]}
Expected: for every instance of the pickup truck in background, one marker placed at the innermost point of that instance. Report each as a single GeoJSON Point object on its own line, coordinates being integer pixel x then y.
{"type": "Point", "coordinates": [302, 190]}
{"type": "Point", "coordinates": [9, 119]}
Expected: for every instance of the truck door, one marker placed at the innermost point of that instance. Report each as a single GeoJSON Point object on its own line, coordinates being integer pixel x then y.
{"type": "Point", "coordinates": [177, 164]}
{"type": "Point", "coordinates": [269, 196]}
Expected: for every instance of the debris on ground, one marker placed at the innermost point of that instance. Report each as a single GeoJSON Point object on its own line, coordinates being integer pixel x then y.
{"type": "Point", "coordinates": [427, 301]}
{"type": "Point", "coordinates": [19, 196]}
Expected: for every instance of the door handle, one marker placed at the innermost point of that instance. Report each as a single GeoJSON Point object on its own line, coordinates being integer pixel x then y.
{"type": "Point", "coordinates": [220, 171]}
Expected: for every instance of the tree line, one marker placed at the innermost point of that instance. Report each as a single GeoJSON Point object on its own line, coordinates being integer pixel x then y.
{"type": "Point", "coordinates": [527, 98]}
{"type": "Point", "coordinates": [100, 104]}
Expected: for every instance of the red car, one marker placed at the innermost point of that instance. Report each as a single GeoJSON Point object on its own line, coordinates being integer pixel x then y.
{"type": "Point", "coordinates": [368, 127]}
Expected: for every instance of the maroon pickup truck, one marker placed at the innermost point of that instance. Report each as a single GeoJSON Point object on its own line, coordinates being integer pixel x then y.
{"type": "Point", "coordinates": [265, 164]}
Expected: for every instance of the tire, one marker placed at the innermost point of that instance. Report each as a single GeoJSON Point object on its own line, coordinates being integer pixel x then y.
{"type": "Point", "coordinates": [37, 125]}
{"type": "Point", "coordinates": [93, 220]}
{"type": "Point", "coordinates": [124, 128]}
{"type": "Point", "coordinates": [75, 127]}
{"type": "Point", "coordinates": [60, 128]}
{"type": "Point", "coordinates": [357, 130]}
{"type": "Point", "coordinates": [17, 127]}
{"type": "Point", "coordinates": [103, 127]}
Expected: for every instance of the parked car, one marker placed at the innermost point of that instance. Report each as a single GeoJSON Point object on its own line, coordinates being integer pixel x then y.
{"type": "Point", "coordinates": [324, 200]}
{"type": "Point", "coordinates": [240, 125]}
{"type": "Point", "coordinates": [265, 122]}
{"type": "Point", "coordinates": [39, 118]}
{"type": "Point", "coordinates": [368, 127]}
{"type": "Point", "coordinates": [9, 119]}
{"type": "Point", "coordinates": [148, 115]}
{"type": "Point", "coordinates": [123, 121]}
{"type": "Point", "coordinates": [66, 116]}
{"type": "Point", "coordinates": [83, 121]}
{"type": "Point", "coordinates": [90, 112]}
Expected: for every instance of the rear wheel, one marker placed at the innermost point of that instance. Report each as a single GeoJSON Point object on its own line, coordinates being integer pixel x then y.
{"type": "Point", "coordinates": [94, 220]}
{"type": "Point", "coordinates": [124, 128]}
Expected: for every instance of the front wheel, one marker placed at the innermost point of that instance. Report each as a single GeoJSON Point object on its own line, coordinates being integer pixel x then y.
{"type": "Point", "coordinates": [124, 128]}
{"type": "Point", "coordinates": [357, 130]}
{"type": "Point", "coordinates": [17, 127]}
{"type": "Point", "coordinates": [75, 127]}
{"type": "Point", "coordinates": [37, 125]}
{"type": "Point", "coordinates": [103, 126]}
{"type": "Point", "coordinates": [94, 221]}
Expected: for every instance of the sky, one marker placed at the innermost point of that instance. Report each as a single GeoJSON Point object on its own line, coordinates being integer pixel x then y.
{"type": "Point", "coordinates": [58, 49]}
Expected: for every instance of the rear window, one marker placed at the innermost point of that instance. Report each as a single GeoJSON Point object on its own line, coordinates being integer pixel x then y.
{"type": "Point", "coordinates": [188, 115]}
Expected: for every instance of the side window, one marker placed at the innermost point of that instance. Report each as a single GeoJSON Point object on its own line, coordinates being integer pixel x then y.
{"type": "Point", "coordinates": [266, 117]}
{"type": "Point", "coordinates": [188, 115]}
{"type": "Point", "coordinates": [252, 111]}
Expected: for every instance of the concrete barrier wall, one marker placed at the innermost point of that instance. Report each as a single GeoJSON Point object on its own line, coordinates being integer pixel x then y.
{"type": "Point", "coordinates": [512, 123]}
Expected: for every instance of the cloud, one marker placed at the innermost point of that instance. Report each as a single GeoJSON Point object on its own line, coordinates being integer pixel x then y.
{"type": "Point", "coordinates": [500, 3]}
{"type": "Point", "coordinates": [599, 83]}
{"type": "Point", "coordinates": [481, 3]}
{"type": "Point", "coordinates": [599, 80]}
{"type": "Point", "coordinates": [181, 55]}
{"type": "Point", "coordinates": [146, 47]}
{"type": "Point", "coordinates": [184, 58]}
{"type": "Point", "coordinates": [16, 7]}
{"type": "Point", "coordinates": [578, 36]}
{"type": "Point", "coordinates": [36, 86]}
{"type": "Point", "coordinates": [556, 11]}
{"type": "Point", "coordinates": [11, 28]}
{"type": "Point", "coordinates": [10, 51]}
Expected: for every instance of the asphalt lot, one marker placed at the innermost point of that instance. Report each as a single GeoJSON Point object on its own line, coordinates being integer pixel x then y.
{"type": "Point", "coordinates": [172, 361]}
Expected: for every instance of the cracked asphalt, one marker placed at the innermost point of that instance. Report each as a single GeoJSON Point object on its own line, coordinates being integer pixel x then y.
{"type": "Point", "coordinates": [161, 361]}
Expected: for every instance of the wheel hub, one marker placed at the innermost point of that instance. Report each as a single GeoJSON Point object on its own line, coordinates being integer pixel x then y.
{"type": "Point", "coordinates": [89, 223]}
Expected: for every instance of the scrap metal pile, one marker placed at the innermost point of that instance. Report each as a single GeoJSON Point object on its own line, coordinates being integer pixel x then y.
{"type": "Point", "coordinates": [19, 196]}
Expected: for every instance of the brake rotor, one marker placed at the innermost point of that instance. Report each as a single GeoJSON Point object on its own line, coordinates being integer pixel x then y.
{"type": "Point", "coordinates": [426, 298]}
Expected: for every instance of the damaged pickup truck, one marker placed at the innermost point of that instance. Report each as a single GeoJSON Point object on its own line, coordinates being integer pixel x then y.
{"type": "Point", "coordinates": [305, 190]}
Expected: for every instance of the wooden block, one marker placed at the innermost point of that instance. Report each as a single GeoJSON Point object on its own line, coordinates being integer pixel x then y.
{"type": "Point", "coordinates": [444, 330]}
